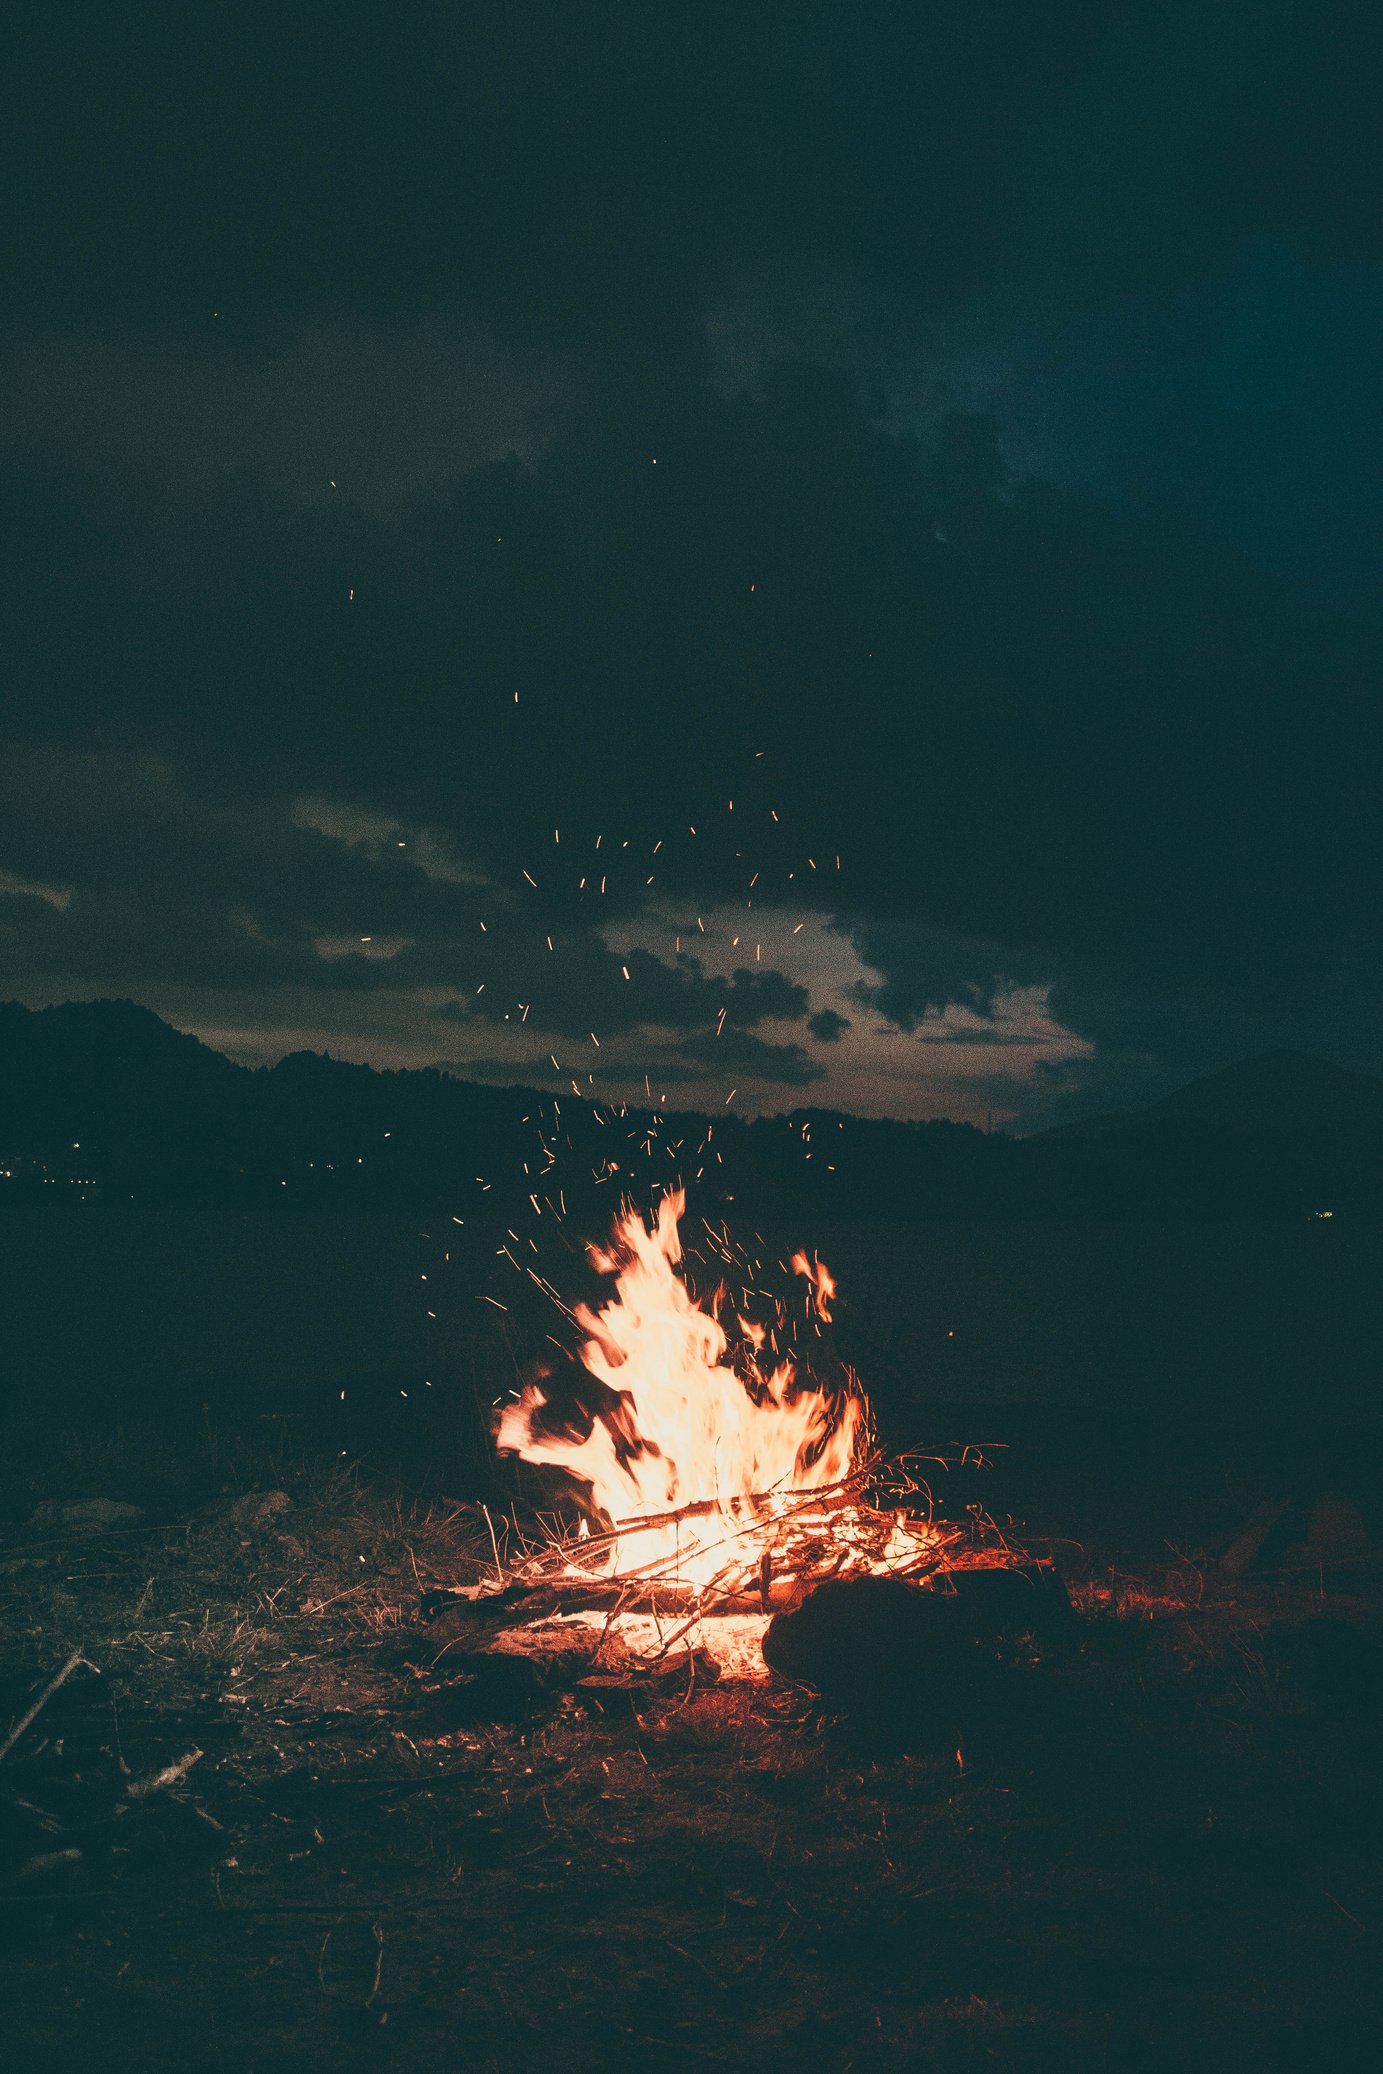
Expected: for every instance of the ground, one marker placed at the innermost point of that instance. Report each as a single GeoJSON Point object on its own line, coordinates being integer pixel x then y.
{"type": "Point", "coordinates": [1154, 1846]}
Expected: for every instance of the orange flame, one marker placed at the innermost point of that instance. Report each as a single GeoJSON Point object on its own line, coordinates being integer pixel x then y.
{"type": "Point", "coordinates": [680, 1425]}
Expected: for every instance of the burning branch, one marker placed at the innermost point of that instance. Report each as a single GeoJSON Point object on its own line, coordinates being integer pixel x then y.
{"type": "Point", "coordinates": [721, 1478]}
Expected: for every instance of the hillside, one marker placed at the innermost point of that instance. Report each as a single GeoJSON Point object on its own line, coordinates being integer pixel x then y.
{"type": "Point", "coordinates": [1286, 1094]}
{"type": "Point", "coordinates": [102, 1100]}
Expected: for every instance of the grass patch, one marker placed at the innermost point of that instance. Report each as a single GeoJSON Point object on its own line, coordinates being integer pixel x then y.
{"type": "Point", "coordinates": [1157, 1851]}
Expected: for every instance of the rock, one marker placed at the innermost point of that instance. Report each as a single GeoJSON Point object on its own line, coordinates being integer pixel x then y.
{"type": "Point", "coordinates": [855, 1634]}
{"type": "Point", "coordinates": [257, 1510]}
{"type": "Point", "coordinates": [83, 1515]}
{"type": "Point", "coordinates": [491, 1685]}
{"type": "Point", "coordinates": [865, 1637]}
{"type": "Point", "coordinates": [1262, 1537]}
{"type": "Point", "coordinates": [1285, 1535]}
{"type": "Point", "coordinates": [1011, 1599]}
{"type": "Point", "coordinates": [1336, 1538]}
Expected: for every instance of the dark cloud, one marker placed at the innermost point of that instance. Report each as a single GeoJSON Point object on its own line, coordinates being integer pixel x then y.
{"type": "Point", "coordinates": [700, 1060]}
{"type": "Point", "coordinates": [574, 168]}
{"type": "Point", "coordinates": [706, 1057]}
{"type": "Point", "coordinates": [569, 168]}
{"type": "Point", "coordinates": [945, 440]}
{"type": "Point", "coordinates": [1066, 727]}
{"type": "Point", "coordinates": [580, 983]}
{"type": "Point", "coordinates": [163, 884]}
{"type": "Point", "coordinates": [923, 970]}
{"type": "Point", "coordinates": [827, 1027]}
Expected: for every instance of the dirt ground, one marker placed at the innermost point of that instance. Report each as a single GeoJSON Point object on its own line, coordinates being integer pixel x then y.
{"type": "Point", "coordinates": [1152, 1846]}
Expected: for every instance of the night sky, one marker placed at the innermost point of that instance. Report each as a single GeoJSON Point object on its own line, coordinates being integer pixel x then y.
{"type": "Point", "coordinates": [859, 528]}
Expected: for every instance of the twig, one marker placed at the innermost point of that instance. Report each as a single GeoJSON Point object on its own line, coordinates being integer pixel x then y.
{"type": "Point", "coordinates": [741, 1518]}
{"type": "Point", "coordinates": [26, 1719]}
{"type": "Point", "coordinates": [49, 1861]}
{"type": "Point", "coordinates": [170, 1775]}
{"type": "Point", "coordinates": [499, 1567]}
{"type": "Point", "coordinates": [379, 1964]}
{"type": "Point", "coordinates": [311, 1612]}
{"type": "Point", "coordinates": [754, 1507]}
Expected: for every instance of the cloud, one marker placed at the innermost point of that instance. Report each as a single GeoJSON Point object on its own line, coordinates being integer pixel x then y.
{"type": "Point", "coordinates": [560, 511]}
{"type": "Point", "coordinates": [827, 1026]}
{"type": "Point", "coordinates": [580, 984]}
{"type": "Point", "coordinates": [264, 898]}
{"type": "Point", "coordinates": [1043, 696]}
{"type": "Point", "coordinates": [739, 1060]}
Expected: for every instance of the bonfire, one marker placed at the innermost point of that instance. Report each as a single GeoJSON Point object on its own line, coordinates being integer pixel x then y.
{"type": "Point", "coordinates": [716, 1477]}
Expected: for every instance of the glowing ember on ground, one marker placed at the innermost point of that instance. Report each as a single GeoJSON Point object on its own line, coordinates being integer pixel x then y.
{"type": "Point", "coordinates": [710, 1465]}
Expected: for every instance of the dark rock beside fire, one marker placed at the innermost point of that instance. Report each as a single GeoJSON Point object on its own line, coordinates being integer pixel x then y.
{"type": "Point", "coordinates": [884, 1639]}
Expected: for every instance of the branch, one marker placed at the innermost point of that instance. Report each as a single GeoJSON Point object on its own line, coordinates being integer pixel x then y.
{"type": "Point", "coordinates": [26, 1720]}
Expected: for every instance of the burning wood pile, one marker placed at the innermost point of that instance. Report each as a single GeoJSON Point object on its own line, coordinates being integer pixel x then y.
{"type": "Point", "coordinates": [718, 1481]}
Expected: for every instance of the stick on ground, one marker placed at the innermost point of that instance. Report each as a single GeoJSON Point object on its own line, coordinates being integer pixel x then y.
{"type": "Point", "coordinates": [26, 1720]}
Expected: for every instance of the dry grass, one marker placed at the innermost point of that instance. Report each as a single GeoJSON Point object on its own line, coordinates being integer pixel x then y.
{"type": "Point", "coordinates": [1151, 1849]}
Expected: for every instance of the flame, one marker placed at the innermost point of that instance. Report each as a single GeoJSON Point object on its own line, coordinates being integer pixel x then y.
{"type": "Point", "coordinates": [684, 1423]}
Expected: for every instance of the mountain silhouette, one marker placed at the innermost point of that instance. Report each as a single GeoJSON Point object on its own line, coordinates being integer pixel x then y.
{"type": "Point", "coordinates": [104, 1101]}
{"type": "Point", "coordinates": [1278, 1093]}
